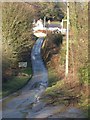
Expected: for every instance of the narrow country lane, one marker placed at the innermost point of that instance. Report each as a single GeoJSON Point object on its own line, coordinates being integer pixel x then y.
{"type": "Point", "coordinates": [39, 71]}
{"type": "Point", "coordinates": [25, 100]}
{"type": "Point", "coordinates": [26, 103]}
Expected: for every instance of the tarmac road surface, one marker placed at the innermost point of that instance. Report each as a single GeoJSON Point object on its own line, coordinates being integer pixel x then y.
{"type": "Point", "coordinates": [19, 104]}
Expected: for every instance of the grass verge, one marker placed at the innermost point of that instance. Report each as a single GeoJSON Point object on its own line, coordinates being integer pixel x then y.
{"type": "Point", "coordinates": [62, 92]}
{"type": "Point", "coordinates": [17, 82]}
{"type": "Point", "coordinates": [52, 77]}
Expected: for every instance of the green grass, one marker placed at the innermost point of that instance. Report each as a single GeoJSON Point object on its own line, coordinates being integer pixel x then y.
{"type": "Point", "coordinates": [0, 94]}
{"type": "Point", "coordinates": [85, 105]}
{"type": "Point", "coordinates": [55, 95]}
{"type": "Point", "coordinates": [89, 111]}
{"type": "Point", "coordinates": [52, 77]}
{"type": "Point", "coordinates": [26, 70]}
{"type": "Point", "coordinates": [17, 82]}
{"type": "Point", "coordinates": [84, 75]}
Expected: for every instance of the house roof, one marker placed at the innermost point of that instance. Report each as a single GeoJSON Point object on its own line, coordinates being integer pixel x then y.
{"type": "Point", "coordinates": [54, 25]}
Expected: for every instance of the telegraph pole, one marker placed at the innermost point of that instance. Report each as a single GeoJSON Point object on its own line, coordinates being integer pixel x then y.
{"type": "Point", "coordinates": [44, 21]}
{"type": "Point", "coordinates": [67, 41]}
